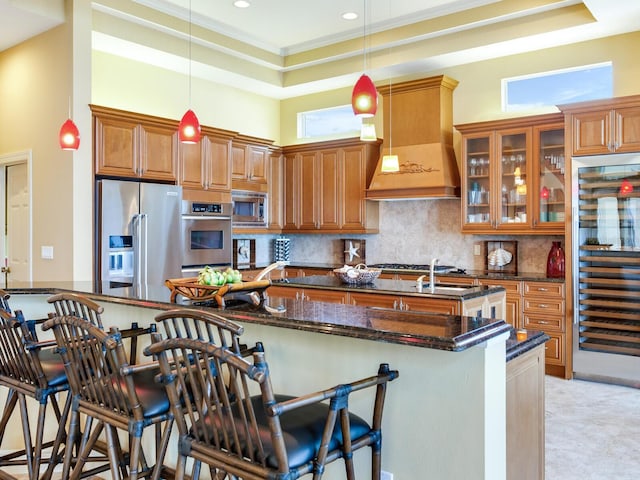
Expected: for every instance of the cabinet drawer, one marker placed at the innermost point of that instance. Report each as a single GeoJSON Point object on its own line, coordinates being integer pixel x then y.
{"type": "Point", "coordinates": [511, 286]}
{"type": "Point", "coordinates": [544, 322]}
{"type": "Point", "coordinates": [550, 306]}
{"type": "Point", "coordinates": [548, 289]}
{"type": "Point", "coordinates": [457, 280]}
{"type": "Point", "coordinates": [554, 352]}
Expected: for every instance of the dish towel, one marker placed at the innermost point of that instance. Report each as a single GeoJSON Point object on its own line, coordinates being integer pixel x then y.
{"type": "Point", "coordinates": [608, 221]}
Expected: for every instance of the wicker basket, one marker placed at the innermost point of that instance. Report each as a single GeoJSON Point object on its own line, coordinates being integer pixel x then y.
{"type": "Point", "coordinates": [358, 275]}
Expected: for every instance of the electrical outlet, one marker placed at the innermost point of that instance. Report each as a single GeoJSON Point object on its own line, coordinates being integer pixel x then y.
{"type": "Point", "coordinates": [476, 249]}
{"type": "Point", "coordinates": [386, 475]}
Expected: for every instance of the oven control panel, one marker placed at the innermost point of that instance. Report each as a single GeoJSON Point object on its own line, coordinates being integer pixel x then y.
{"type": "Point", "coordinates": [206, 209]}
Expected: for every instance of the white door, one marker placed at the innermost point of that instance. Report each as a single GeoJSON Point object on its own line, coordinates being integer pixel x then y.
{"type": "Point", "coordinates": [16, 221]}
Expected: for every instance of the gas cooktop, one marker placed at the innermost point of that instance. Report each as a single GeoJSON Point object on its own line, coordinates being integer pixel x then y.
{"type": "Point", "coordinates": [417, 266]}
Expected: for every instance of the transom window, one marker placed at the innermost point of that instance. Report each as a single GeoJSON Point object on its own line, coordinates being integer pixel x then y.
{"type": "Point", "coordinates": [546, 89]}
{"type": "Point", "coordinates": [334, 121]}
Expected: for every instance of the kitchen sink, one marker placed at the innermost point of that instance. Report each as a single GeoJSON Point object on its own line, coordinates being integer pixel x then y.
{"type": "Point", "coordinates": [449, 288]}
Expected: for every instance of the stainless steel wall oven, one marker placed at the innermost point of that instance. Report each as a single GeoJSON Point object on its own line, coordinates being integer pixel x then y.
{"type": "Point", "coordinates": [206, 235]}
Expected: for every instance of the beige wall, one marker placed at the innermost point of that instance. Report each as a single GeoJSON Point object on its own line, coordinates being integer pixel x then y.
{"type": "Point", "coordinates": [478, 95]}
{"type": "Point", "coordinates": [35, 87]}
{"type": "Point", "coordinates": [129, 85]}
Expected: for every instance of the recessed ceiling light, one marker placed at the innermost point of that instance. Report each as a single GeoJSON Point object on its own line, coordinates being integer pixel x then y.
{"type": "Point", "coordinates": [349, 15]}
{"type": "Point", "coordinates": [242, 3]}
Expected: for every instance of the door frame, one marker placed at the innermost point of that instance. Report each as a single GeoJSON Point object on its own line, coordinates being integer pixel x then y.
{"type": "Point", "coordinates": [6, 160]}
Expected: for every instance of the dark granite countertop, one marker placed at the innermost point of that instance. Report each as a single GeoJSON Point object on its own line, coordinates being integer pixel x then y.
{"type": "Point", "coordinates": [532, 339]}
{"type": "Point", "coordinates": [426, 330]}
{"type": "Point", "coordinates": [386, 286]}
{"type": "Point", "coordinates": [480, 274]}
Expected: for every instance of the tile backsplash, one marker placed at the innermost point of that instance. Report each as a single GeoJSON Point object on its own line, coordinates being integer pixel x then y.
{"type": "Point", "coordinates": [411, 231]}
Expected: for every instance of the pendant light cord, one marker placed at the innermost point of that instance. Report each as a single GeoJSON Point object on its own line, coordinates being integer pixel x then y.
{"type": "Point", "coordinates": [189, 53]}
{"type": "Point", "coordinates": [390, 135]}
{"type": "Point", "coordinates": [364, 36]}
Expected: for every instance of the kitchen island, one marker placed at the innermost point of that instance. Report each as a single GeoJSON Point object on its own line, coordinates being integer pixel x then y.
{"type": "Point", "coordinates": [446, 417]}
{"type": "Point", "coordinates": [467, 300]}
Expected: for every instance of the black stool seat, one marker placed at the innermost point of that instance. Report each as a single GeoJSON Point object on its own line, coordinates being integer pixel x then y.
{"type": "Point", "coordinates": [261, 437]}
{"type": "Point", "coordinates": [52, 366]}
{"type": "Point", "coordinates": [151, 394]}
{"type": "Point", "coordinates": [302, 431]}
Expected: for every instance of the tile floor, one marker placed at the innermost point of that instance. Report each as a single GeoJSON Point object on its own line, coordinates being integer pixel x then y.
{"type": "Point", "coordinates": [592, 431]}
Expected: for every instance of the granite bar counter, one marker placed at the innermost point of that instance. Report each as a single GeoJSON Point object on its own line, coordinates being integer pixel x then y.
{"type": "Point", "coordinates": [418, 329]}
{"type": "Point", "coordinates": [446, 415]}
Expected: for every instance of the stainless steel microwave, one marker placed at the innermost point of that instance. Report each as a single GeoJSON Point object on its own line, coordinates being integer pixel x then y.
{"type": "Point", "coordinates": [249, 208]}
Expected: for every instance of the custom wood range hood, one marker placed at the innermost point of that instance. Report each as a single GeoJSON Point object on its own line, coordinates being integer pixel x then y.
{"type": "Point", "coordinates": [418, 128]}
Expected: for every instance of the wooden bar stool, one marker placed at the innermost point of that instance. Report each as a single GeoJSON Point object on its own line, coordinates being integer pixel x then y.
{"type": "Point", "coordinates": [222, 422]}
{"type": "Point", "coordinates": [31, 370]}
{"type": "Point", "coordinates": [113, 394]}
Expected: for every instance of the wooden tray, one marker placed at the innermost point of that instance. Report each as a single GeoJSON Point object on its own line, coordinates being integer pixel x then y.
{"type": "Point", "coordinates": [252, 291]}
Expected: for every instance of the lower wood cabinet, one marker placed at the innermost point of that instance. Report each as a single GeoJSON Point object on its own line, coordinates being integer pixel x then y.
{"type": "Point", "coordinates": [513, 302]}
{"type": "Point", "coordinates": [539, 305]}
{"type": "Point", "coordinates": [406, 303]}
{"type": "Point", "coordinates": [526, 416]}
{"type": "Point", "coordinates": [309, 294]}
{"type": "Point", "coordinates": [544, 309]}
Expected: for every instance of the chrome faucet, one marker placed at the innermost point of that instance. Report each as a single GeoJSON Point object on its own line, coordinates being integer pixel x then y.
{"type": "Point", "coordinates": [432, 281]}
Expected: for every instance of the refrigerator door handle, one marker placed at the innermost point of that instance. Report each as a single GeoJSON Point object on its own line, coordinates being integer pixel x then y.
{"type": "Point", "coordinates": [135, 230]}
{"type": "Point", "coordinates": [144, 260]}
{"type": "Point", "coordinates": [575, 254]}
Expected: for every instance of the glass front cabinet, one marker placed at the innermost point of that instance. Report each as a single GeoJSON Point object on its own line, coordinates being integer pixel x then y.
{"type": "Point", "coordinates": [513, 176]}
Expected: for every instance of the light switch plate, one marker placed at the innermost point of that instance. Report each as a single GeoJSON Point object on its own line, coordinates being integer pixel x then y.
{"type": "Point", "coordinates": [46, 252]}
{"type": "Point", "coordinates": [476, 249]}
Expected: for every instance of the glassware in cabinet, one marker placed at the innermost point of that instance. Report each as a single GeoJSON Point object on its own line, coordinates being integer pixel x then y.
{"type": "Point", "coordinates": [514, 161]}
{"type": "Point", "coordinates": [477, 180]}
{"type": "Point", "coordinates": [550, 176]}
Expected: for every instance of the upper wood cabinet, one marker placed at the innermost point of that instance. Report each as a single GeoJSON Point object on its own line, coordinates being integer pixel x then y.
{"type": "Point", "coordinates": [134, 146]}
{"type": "Point", "coordinates": [324, 187]}
{"type": "Point", "coordinates": [603, 126]}
{"type": "Point", "coordinates": [513, 176]}
{"type": "Point", "coordinates": [275, 200]}
{"type": "Point", "coordinates": [206, 165]}
{"type": "Point", "coordinates": [250, 164]}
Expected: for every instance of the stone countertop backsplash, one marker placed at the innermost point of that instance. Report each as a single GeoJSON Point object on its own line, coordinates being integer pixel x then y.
{"type": "Point", "coordinates": [412, 231]}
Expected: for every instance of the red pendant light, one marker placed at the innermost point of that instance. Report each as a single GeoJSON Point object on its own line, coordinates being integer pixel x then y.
{"type": "Point", "coordinates": [69, 136]}
{"type": "Point", "coordinates": [364, 98]}
{"type": "Point", "coordinates": [189, 128]}
{"type": "Point", "coordinates": [626, 187]}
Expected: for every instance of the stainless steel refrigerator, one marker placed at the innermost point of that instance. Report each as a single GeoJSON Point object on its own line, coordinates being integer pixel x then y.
{"type": "Point", "coordinates": [139, 238]}
{"type": "Point", "coordinates": [606, 267]}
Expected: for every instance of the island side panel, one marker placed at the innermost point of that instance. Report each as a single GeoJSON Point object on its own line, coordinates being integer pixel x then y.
{"type": "Point", "coordinates": [444, 415]}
